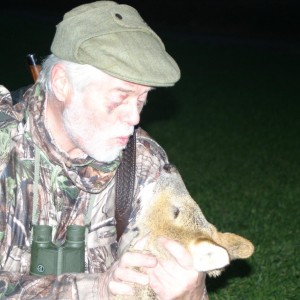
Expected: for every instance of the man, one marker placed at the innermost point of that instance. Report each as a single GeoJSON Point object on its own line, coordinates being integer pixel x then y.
{"type": "Point", "coordinates": [61, 148]}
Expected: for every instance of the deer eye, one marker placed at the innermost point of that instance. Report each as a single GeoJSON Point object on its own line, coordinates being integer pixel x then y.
{"type": "Point", "coordinates": [176, 212]}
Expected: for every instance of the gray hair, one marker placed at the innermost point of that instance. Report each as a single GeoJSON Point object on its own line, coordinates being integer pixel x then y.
{"type": "Point", "coordinates": [79, 75]}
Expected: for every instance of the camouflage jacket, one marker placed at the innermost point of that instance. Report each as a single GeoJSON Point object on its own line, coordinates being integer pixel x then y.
{"type": "Point", "coordinates": [40, 184]}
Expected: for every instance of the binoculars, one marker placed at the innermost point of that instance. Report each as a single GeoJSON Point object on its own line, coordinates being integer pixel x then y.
{"type": "Point", "coordinates": [50, 259]}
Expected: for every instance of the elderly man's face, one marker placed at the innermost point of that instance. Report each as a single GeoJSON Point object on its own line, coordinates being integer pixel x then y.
{"type": "Point", "coordinates": [101, 118]}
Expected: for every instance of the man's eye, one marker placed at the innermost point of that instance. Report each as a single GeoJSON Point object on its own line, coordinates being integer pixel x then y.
{"type": "Point", "coordinates": [116, 103]}
{"type": "Point", "coordinates": [112, 104]}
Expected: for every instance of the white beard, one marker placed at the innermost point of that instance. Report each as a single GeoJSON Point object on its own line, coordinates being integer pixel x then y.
{"type": "Point", "coordinates": [95, 142]}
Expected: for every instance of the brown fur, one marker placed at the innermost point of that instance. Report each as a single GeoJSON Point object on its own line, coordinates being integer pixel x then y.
{"type": "Point", "coordinates": [174, 214]}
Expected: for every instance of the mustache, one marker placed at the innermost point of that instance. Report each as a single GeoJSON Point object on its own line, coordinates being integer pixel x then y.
{"type": "Point", "coordinates": [128, 132]}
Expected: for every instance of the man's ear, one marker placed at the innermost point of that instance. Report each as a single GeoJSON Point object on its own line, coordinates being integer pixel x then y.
{"type": "Point", "coordinates": [60, 82]}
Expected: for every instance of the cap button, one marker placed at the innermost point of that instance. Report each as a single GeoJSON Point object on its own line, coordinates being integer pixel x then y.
{"type": "Point", "coordinates": [119, 16]}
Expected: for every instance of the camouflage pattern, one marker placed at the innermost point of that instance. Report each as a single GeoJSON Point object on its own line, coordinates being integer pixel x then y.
{"type": "Point", "coordinates": [69, 191]}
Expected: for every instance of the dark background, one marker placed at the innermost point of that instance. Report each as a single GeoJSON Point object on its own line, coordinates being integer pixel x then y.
{"type": "Point", "coordinates": [259, 18]}
{"type": "Point", "coordinates": [29, 26]}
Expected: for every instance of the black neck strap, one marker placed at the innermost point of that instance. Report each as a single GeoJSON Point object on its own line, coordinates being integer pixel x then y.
{"type": "Point", "coordinates": [125, 179]}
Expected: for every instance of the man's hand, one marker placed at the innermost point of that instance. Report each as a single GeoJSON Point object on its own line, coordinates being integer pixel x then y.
{"type": "Point", "coordinates": [176, 278]}
{"type": "Point", "coordinates": [170, 279]}
{"type": "Point", "coordinates": [124, 273]}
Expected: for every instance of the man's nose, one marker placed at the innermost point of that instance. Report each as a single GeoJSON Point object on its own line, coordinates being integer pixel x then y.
{"type": "Point", "coordinates": [132, 114]}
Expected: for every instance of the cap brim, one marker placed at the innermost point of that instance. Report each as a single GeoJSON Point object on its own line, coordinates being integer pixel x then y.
{"type": "Point", "coordinates": [133, 56]}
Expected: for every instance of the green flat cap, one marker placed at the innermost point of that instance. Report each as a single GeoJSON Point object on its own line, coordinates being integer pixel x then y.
{"type": "Point", "coordinates": [115, 39]}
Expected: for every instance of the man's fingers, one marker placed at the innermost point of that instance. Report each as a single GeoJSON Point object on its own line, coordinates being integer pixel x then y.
{"type": "Point", "coordinates": [129, 275]}
{"type": "Point", "coordinates": [120, 288]}
{"type": "Point", "coordinates": [136, 259]}
{"type": "Point", "coordinates": [127, 272]}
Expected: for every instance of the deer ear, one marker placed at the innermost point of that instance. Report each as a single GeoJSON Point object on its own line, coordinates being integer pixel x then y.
{"type": "Point", "coordinates": [208, 256]}
{"type": "Point", "coordinates": [237, 246]}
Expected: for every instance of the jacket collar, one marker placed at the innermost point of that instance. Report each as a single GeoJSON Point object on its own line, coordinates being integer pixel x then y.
{"type": "Point", "coordinates": [86, 173]}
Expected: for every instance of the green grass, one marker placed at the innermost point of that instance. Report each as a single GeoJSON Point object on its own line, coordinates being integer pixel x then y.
{"type": "Point", "coordinates": [232, 127]}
